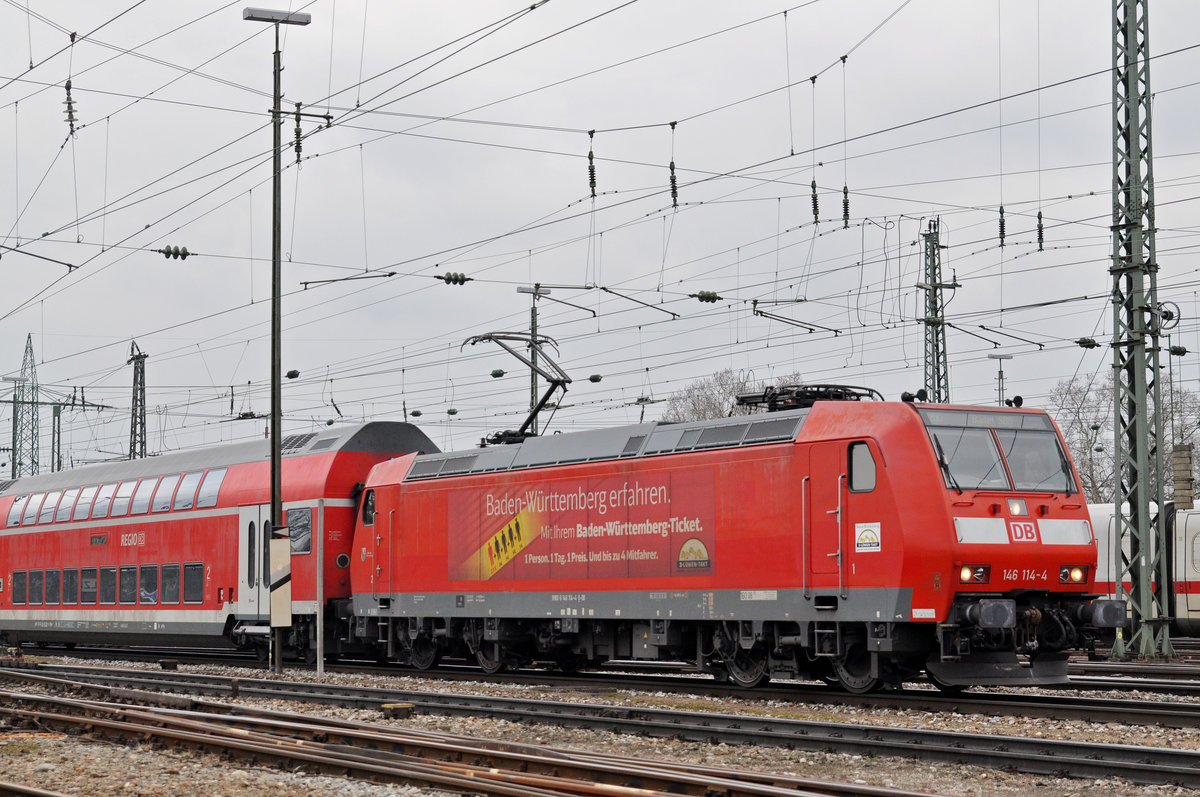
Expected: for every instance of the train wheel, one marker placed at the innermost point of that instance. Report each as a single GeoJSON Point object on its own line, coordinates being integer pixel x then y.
{"type": "Point", "coordinates": [569, 660]}
{"type": "Point", "coordinates": [490, 658]}
{"type": "Point", "coordinates": [425, 653]}
{"type": "Point", "coordinates": [945, 688]}
{"type": "Point", "coordinates": [748, 668]}
{"type": "Point", "coordinates": [854, 669]}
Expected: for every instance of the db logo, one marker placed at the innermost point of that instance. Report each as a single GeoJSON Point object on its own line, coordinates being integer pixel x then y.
{"type": "Point", "coordinates": [1022, 531]}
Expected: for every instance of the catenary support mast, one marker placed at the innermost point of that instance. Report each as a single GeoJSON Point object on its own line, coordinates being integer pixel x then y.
{"type": "Point", "coordinates": [1141, 541]}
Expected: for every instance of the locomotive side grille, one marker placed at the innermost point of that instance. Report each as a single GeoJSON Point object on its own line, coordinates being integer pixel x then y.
{"type": "Point", "coordinates": [295, 442]}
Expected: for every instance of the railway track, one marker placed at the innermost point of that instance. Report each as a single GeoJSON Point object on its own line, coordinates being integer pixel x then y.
{"type": "Point", "coordinates": [1083, 759]}
{"type": "Point", "coordinates": [389, 754]}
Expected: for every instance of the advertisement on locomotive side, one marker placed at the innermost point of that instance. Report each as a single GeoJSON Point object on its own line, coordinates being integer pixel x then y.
{"type": "Point", "coordinates": [651, 525]}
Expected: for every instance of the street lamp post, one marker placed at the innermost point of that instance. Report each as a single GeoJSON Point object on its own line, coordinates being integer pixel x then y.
{"type": "Point", "coordinates": [1000, 358]}
{"type": "Point", "coordinates": [276, 18]}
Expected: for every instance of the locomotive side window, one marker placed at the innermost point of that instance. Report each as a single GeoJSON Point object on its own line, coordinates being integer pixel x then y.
{"type": "Point", "coordinates": [148, 584]}
{"type": "Point", "coordinates": [20, 587]}
{"type": "Point", "coordinates": [108, 585]}
{"type": "Point", "coordinates": [141, 496]}
{"type": "Point", "coordinates": [103, 501]}
{"type": "Point", "coordinates": [299, 522]}
{"type": "Point", "coordinates": [120, 502]}
{"type": "Point", "coordinates": [862, 468]}
{"type": "Point", "coordinates": [84, 504]}
{"type": "Point", "coordinates": [209, 488]}
{"type": "Point", "coordinates": [66, 505]}
{"type": "Point", "coordinates": [53, 586]}
{"type": "Point", "coordinates": [14, 514]}
{"type": "Point", "coordinates": [368, 510]}
{"type": "Point", "coordinates": [186, 497]}
{"type": "Point", "coordinates": [70, 587]}
{"type": "Point", "coordinates": [47, 513]}
{"type": "Point", "coordinates": [35, 587]}
{"type": "Point", "coordinates": [87, 585]}
{"type": "Point", "coordinates": [31, 509]}
{"type": "Point", "coordinates": [193, 582]}
{"type": "Point", "coordinates": [127, 590]}
{"type": "Point", "coordinates": [164, 494]}
{"type": "Point", "coordinates": [251, 559]}
{"type": "Point", "coordinates": [170, 584]}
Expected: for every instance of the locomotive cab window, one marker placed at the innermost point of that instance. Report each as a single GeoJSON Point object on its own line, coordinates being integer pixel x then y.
{"type": "Point", "coordinates": [862, 468]}
{"type": "Point", "coordinates": [368, 510]}
{"type": "Point", "coordinates": [981, 450]}
{"type": "Point", "coordinates": [299, 523]}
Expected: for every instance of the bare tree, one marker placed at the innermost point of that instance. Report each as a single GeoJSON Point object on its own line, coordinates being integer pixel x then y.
{"type": "Point", "coordinates": [1083, 408]}
{"type": "Point", "coordinates": [716, 396]}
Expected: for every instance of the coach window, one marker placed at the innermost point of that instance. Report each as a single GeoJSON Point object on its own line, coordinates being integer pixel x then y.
{"type": "Point", "coordinates": [66, 505]}
{"type": "Point", "coordinates": [70, 587]}
{"type": "Point", "coordinates": [368, 513]}
{"type": "Point", "coordinates": [87, 585]}
{"type": "Point", "coordinates": [20, 587]}
{"type": "Point", "coordinates": [14, 514]}
{"type": "Point", "coordinates": [84, 504]}
{"type": "Point", "coordinates": [148, 584]}
{"type": "Point", "coordinates": [164, 494]}
{"type": "Point", "coordinates": [185, 498]}
{"type": "Point", "coordinates": [120, 502]}
{"type": "Point", "coordinates": [170, 584]}
{"type": "Point", "coordinates": [299, 523]}
{"type": "Point", "coordinates": [193, 582]}
{"type": "Point", "coordinates": [103, 501]}
{"type": "Point", "coordinates": [35, 587]}
{"type": "Point", "coordinates": [31, 509]}
{"type": "Point", "coordinates": [108, 585]}
{"type": "Point", "coordinates": [47, 513]}
{"type": "Point", "coordinates": [209, 488]}
{"type": "Point", "coordinates": [128, 584]}
{"type": "Point", "coordinates": [53, 586]}
{"type": "Point", "coordinates": [141, 497]}
{"type": "Point", "coordinates": [862, 468]}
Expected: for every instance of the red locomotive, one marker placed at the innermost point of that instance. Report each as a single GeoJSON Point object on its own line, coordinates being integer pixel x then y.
{"type": "Point", "coordinates": [862, 542]}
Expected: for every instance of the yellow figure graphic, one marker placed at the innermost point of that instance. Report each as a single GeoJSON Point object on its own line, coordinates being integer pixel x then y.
{"type": "Point", "coordinates": [504, 545]}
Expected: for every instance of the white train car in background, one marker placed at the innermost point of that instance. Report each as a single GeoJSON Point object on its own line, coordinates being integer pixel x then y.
{"type": "Point", "coordinates": [1183, 562]}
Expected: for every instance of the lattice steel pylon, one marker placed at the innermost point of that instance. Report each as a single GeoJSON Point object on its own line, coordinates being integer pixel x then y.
{"type": "Point", "coordinates": [1141, 540]}
{"type": "Point", "coordinates": [25, 417]}
{"type": "Point", "coordinates": [937, 363]}
{"type": "Point", "coordinates": [137, 420]}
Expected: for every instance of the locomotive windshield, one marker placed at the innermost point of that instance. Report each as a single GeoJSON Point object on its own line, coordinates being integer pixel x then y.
{"type": "Point", "coordinates": [998, 451]}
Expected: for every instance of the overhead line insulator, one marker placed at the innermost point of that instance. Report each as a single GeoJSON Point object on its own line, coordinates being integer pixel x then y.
{"type": "Point", "coordinates": [454, 278]}
{"type": "Point", "coordinates": [816, 203]}
{"type": "Point", "coordinates": [1002, 225]}
{"type": "Point", "coordinates": [176, 252]}
{"type": "Point", "coordinates": [706, 296]}
{"type": "Point", "coordinates": [845, 207]}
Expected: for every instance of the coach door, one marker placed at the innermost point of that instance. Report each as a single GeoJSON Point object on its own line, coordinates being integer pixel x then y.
{"type": "Point", "coordinates": [826, 514]}
{"type": "Point", "coordinates": [254, 599]}
{"type": "Point", "coordinates": [1186, 575]}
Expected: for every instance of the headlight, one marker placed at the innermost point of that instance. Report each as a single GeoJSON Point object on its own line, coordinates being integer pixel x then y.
{"type": "Point", "coordinates": [974, 574]}
{"type": "Point", "coordinates": [1017, 507]}
{"type": "Point", "coordinates": [1072, 574]}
